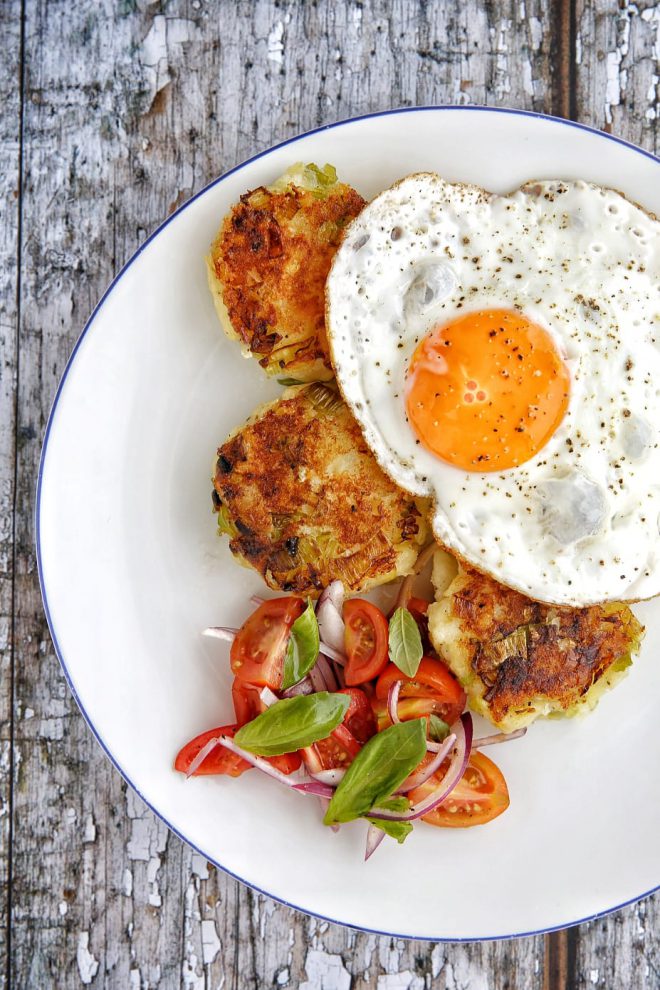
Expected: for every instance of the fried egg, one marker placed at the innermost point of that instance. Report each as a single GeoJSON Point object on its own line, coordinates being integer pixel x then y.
{"type": "Point", "coordinates": [502, 355]}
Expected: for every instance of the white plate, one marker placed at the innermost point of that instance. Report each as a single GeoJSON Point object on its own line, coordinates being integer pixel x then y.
{"type": "Point", "coordinates": [131, 570]}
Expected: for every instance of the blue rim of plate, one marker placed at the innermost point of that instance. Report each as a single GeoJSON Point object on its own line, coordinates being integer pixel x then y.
{"type": "Point", "coordinates": [283, 144]}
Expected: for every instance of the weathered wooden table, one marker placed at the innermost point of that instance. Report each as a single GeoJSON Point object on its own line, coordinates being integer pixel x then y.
{"type": "Point", "coordinates": [114, 113]}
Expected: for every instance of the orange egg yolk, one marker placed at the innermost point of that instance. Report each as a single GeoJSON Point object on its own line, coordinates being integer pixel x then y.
{"type": "Point", "coordinates": [486, 391]}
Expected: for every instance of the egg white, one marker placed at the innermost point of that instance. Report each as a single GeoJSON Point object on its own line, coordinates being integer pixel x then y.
{"type": "Point", "coordinates": [579, 523]}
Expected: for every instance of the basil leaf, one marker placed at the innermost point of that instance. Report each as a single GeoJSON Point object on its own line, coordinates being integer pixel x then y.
{"type": "Point", "coordinates": [398, 830]}
{"type": "Point", "coordinates": [395, 804]}
{"type": "Point", "coordinates": [438, 729]}
{"type": "Point", "coordinates": [302, 649]}
{"type": "Point", "coordinates": [293, 723]}
{"type": "Point", "coordinates": [405, 646]}
{"type": "Point", "coordinates": [380, 767]}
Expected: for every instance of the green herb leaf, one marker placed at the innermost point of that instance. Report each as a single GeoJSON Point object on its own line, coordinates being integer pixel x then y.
{"type": "Point", "coordinates": [400, 803]}
{"type": "Point", "coordinates": [302, 648]}
{"type": "Point", "coordinates": [398, 830]}
{"type": "Point", "coordinates": [438, 729]}
{"type": "Point", "coordinates": [380, 767]}
{"type": "Point", "coordinates": [405, 646]}
{"type": "Point", "coordinates": [293, 723]}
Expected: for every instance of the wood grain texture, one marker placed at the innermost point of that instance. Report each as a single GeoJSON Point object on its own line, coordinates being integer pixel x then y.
{"type": "Point", "coordinates": [618, 68]}
{"type": "Point", "coordinates": [128, 108]}
{"type": "Point", "coordinates": [10, 141]}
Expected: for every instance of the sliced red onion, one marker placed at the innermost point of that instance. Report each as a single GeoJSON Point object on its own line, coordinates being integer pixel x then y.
{"type": "Point", "coordinates": [434, 747]}
{"type": "Point", "coordinates": [303, 787]}
{"type": "Point", "coordinates": [331, 623]}
{"type": "Point", "coordinates": [327, 671]}
{"type": "Point", "coordinates": [201, 756]}
{"type": "Point", "coordinates": [335, 655]}
{"type": "Point", "coordinates": [418, 778]}
{"type": "Point", "coordinates": [339, 674]}
{"type": "Point", "coordinates": [393, 701]}
{"type": "Point", "coordinates": [227, 633]}
{"type": "Point", "coordinates": [268, 697]}
{"type": "Point", "coordinates": [317, 679]}
{"type": "Point", "coordinates": [498, 737]}
{"type": "Point", "coordinates": [375, 836]}
{"type": "Point", "coordinates": [257, 762]}
{"type": "Point", "coordinates": [302, 687]}
{"type": "Point", "coordinates": [459, 761]}
{"type": "Point", "coordinates": [314, 787]}
{"type": "Point", "coordinates": [257, 600]}
{"type": "Point", "coordinates": [331, 777]}
{"type": "Point", "coordinates": [335, 593]}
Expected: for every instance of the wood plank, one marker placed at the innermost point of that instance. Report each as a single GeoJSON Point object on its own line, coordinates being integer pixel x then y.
{"type": "Point", "coordinates": [10, 140]}
{"type": "Point", "coordinates": [618, 68]}
{"type": "Point", "coordinates": [618, 90]}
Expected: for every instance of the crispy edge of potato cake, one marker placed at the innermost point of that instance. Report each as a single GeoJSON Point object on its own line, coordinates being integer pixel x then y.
{"type": "Point", "coordinates": [304, 501]}
{"type": "Point", "coordinates": [268, 264]}
{"type": "Point", "coordinates": [519, 659]}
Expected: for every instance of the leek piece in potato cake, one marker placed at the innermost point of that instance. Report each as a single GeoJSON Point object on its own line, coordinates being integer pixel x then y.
{"type": "Point", "coordinates": [304, 502]}
{"type": "Point", "coordinates": [519, 659]}
{"type": "Point", "coordinates": [268, 265]}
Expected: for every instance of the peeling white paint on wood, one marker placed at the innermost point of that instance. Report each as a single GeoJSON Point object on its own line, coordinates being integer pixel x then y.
{"type": "Point", "coordinates": [619, 49]}
{"type": "Point", "coordinates": [325, 972]}
{"type": "Point", "coordinates": [87, 965]}
{"type": "Point", "coordinates": [128, 109]}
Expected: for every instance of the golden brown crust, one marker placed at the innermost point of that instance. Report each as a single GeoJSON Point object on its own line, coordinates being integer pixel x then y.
{"type": "Point", "coordinates": [305, 501]}
{"type": "Point", "coordinates": [268, 267]}
{"type": "Point", "coordinates": [521, 651]}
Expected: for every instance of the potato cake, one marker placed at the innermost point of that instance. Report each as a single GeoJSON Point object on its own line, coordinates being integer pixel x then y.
{"type": "Point", "coordinates": [519, 659]}
{"type": "Point", "coordinates": [268, 265]}
{"type": "Point", "coordinates": [304, 502]}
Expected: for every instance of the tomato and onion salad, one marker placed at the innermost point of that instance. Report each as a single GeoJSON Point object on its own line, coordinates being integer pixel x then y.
{"type": "Point", "coordinates": [375, 721]}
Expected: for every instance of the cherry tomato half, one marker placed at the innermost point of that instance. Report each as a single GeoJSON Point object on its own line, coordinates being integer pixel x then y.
{"type": "Point", "coordinates": [219, 760]}
{"type": "Point", "coordinates": [247, 701]}
{"type": "Point", "coordinates": [366, 641]}
{"type": "Point", "coordinates": [345, 742]}
{"type": "Point", "coordinates": [408, 708]}
{"type": "Point", "coordinates": [418, 606]}
{"type": "Point", "coordinates": [223, 761]}
{"type": "Point", "coordinates": [257, 653]}
{"type": "Point", "coordinates": [434, 681]}
{"type": "Point", "coordinates": [480, 796]}
{"type": "Point", "coordinates": [359, 718]}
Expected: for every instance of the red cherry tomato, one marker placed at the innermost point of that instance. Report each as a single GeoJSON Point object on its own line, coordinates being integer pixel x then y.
{"type": "Point", "coordinates": [219, 760]}
{"type": "Point", "coordinates": [257, 653]}
{"type": "Point", "coordinates": [433, 682]}
{"type": "Point", "coordinates": [359, 718]}
{"type": "Point", "coordinates": [345, 742]}
{"type": "Point", "coordinates": [223, 761]}
{"type": "Point", "coordinates": [418, 606]}
{"type": "Point", "coordinates": [479, 796]}
{"type": "Point", "coordinates": [366, 641]}
{"type": "Point", "coordinates": [408, 708]}
{"type": "Point", "coordinates": [247, 701]}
